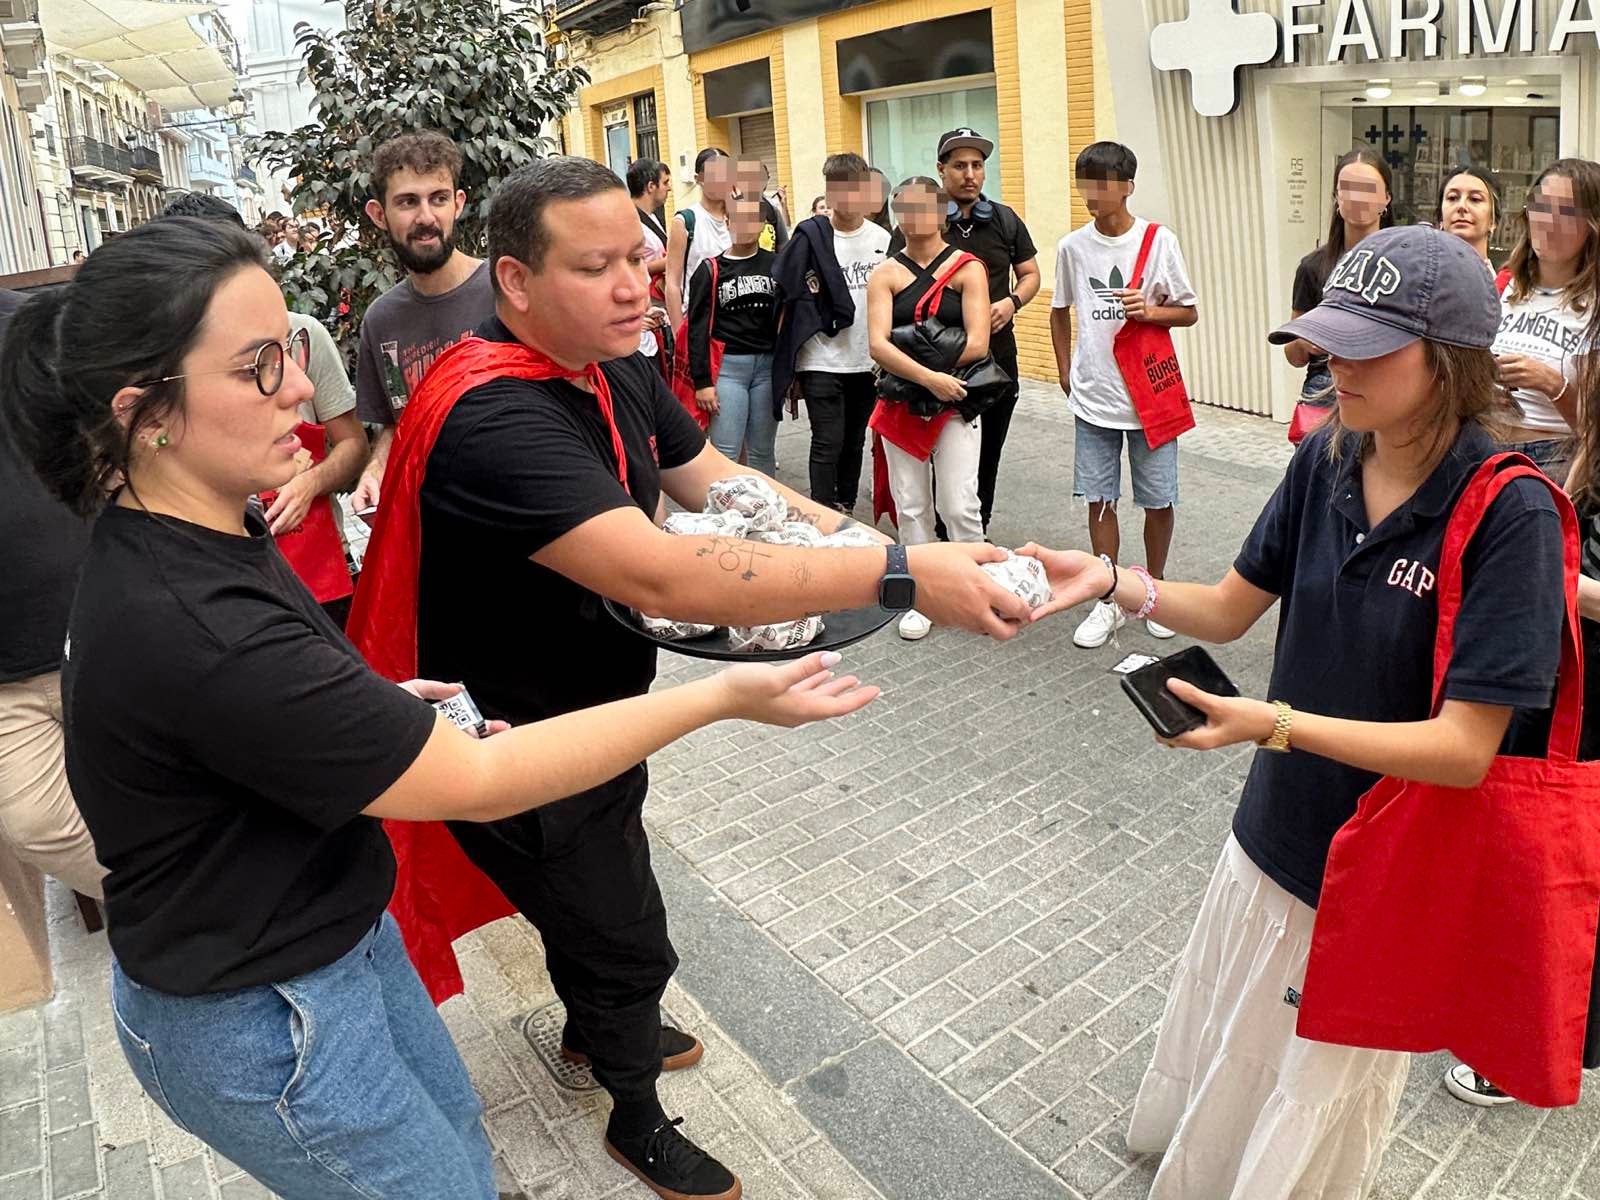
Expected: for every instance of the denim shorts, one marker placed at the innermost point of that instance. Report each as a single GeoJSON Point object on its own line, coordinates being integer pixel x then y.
{"type": "Point", "coordinates": [1097, 466]}
{"type": "Point", "coordinates": [1553, 456]}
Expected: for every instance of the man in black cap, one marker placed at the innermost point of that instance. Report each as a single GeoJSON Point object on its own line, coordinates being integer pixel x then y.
{"type": "Point", "coordinates": [996, 234]}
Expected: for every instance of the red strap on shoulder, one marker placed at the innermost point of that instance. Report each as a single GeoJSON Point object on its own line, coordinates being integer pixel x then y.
{"type": "Point", "coordinates": [1502, 281]}
{"type": "Point", "coordinates": [1144, 256]}
{"type": "Point", "coordinates": [1492, 478]}
{"type": "Point", "coordinates": [931, 298]}
{"type": "Point", "coordinates": [711, 317]}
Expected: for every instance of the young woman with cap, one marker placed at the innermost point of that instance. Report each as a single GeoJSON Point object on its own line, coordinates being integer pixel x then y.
{"type": "Point", "coordinates": [233, 755]}
{"type": "Point", "coordinates": [1349, 545]}
{"type": "Point", "coordinates": [1551, 290]}
{"type": "Point", "coordinates": [1362, 189]}
{"type": "Point", "coordinates": [1469, 208]}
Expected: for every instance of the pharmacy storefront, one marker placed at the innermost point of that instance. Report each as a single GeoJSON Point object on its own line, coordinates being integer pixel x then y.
{"type": "Point", "coordinates": [1240, 109]}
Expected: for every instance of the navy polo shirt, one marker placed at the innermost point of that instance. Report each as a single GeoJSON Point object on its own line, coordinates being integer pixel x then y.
{"type": "Point", "coordinates": [1356, 628]}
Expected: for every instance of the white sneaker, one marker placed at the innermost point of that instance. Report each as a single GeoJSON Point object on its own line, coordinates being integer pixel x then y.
{"type": "Point", "coordinates": [914, 626]}
{"type": "Point", "coordinates": [1156, 630]}
{"type": "Point", "coordinates": [1099, 625]}
{"type": "Point", "coordinates": [1466, 1085]}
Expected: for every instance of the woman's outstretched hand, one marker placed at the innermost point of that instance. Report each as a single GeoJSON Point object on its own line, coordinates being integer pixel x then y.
{"type": "Point", "coordinates": [1230, 720]}
{"type": "Point", "coordinates": [1074, 577]}
{"type": "Point", "coordinates": [794, 693]}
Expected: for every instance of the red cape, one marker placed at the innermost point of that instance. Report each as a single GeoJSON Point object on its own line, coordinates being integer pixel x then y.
{"type": "Point", "coordinates": [438, 895]}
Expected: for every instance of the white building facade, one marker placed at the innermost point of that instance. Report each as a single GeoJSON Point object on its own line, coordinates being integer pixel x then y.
{"type": "Point", "coordinates": [271, 79]}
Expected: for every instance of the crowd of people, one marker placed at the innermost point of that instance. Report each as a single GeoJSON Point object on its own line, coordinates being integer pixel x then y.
{"type": "Point", "coordinates": [200, 709]}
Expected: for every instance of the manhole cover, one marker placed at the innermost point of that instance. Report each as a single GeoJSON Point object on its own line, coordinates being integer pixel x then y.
{"type": "Point", "coordinates": [542, 1029]}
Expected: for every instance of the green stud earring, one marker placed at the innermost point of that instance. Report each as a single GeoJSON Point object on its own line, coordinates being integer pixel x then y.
{"type": "Point", "coordinates": [161, 441]}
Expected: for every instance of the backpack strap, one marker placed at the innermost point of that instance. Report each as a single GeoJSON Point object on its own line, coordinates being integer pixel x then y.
{"type": "Point", "coordinates": [688, 227]}
{"type": "Point", "coordinates": [1502, 281]}
{"type": "Point", "coordinates": [711, 313]}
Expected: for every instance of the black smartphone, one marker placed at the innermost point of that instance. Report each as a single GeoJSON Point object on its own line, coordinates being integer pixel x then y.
{"type": "Point", "coordinates": [1169, 716]}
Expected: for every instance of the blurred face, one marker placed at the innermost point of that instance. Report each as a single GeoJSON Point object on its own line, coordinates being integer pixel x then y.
{"type": "Point", "coordinates": [1362, 195]}
{"type": "Point", "coordinates": [227, 437]}
{"type": "Point", "coordinates": [1557, 227]}
{"type": "Point", "coordinates": [419, 214]}
{"type": "Point", "coordinates": [919, 210]}
{"type": "Point", "coordinates": [587, 301]}
{"type": "Point", "coordinates": [744, 220]}
{"type": "Point", "coordinates": [717, 180]}
{"type": "Point", "coordinates": [1391, 393]}
{"type": "Point", "coordinates": [962, 174]}
{"type": "Point", "coordinates": [1468, 209]}
{"type": "Point", "coordinates": [750, 177]}
{"type": "Point", "coordinates": [1102, 196]}
{"type": "Point", "coordinates": [853, 197]}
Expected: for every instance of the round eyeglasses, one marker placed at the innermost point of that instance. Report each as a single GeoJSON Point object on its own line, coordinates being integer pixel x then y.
{"type": "Point", "coordinates": [267, 370]}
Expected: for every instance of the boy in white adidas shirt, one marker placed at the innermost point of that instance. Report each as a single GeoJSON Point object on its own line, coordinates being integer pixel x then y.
{"type": "Point", "coordinates": [1093, 265]}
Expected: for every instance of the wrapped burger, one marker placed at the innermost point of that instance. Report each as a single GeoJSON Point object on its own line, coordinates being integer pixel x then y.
{"type": "Point", "coordinates": [786, 635]}
{"type": "Point", "coordinates": [675, 631]}
{"type": "Point", "coordinates": [707, 524]}
{"type": "Point", "coordinates": [856, 535]}
{"type": "Point", "coordinates": [1021, 576]}
{"type": "Point", "coordinates": [790, 533]}
{"type": "Point", "coordinates": [753, 498]}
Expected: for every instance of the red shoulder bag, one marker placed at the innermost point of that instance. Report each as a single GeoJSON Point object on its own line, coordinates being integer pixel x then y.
{"type": "Point", "coordinates": [1149, 364]}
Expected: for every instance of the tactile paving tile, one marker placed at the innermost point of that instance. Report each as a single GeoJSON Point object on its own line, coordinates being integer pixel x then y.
{"type": "Point", "coordinates": [542, 1029]}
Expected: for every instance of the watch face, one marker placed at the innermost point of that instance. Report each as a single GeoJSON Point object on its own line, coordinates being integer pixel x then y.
{"type": "Point", "coordinates": [898, 593]}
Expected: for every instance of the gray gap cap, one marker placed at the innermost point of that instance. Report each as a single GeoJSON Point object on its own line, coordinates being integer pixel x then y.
{"type": "Point", "coordinates": [1398, 285]}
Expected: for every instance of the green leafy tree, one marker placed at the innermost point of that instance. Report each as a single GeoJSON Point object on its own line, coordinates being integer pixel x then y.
{"type": "Point", "coordinates": [475, 70]}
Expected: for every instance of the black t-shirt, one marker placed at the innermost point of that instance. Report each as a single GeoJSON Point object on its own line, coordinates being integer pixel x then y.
{"type": "Point", "coordinates": [222, 739]}
{"type": "Point", "coordinates": [517, 465]}
{"type": "Point", "coordinates": [746, 317]}
{"type": "Point", "coordinates": [1310, 277]}
{"type": "Point", "coordinates": [42, 543]}
{"type": "Point", "coordinates": [1356, 629]}
{"type": "Point", "coordinates": [1002, 242]}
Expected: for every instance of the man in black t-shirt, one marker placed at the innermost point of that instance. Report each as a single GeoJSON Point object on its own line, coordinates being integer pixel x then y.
{"type": "Point", "coordinates": [539, 499]}
{"type": "Point", "coordinates": [996, 234]}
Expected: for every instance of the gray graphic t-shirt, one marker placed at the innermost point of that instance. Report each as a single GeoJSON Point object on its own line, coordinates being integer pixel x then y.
{"type": "Point", "coordinates": [404, 331]}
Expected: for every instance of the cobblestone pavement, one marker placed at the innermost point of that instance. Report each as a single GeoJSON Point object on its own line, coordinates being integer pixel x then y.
{"type": "Point", "coordinates": [926, 947]}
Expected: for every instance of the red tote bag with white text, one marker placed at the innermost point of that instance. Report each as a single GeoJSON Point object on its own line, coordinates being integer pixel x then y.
{"type": "Point", "coordinates": [1149, 364]}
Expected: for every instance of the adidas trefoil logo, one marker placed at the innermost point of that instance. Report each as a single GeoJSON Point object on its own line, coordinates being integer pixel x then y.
{"type": "Point", "coordinates": [1110, 291]}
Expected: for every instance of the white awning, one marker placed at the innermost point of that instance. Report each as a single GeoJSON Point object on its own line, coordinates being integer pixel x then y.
{"type": "Point", "coordinates": [153, 44]}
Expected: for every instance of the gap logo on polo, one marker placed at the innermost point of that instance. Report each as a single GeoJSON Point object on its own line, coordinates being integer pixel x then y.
{"type": "Point", "coordinates": [1412, 576]}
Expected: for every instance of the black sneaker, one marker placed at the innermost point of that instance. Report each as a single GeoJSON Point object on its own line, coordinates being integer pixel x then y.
{"type": "Point", "coordinates": [1466, 1085]}
{"type": "Point", "coordinates": [672, 1166]}
{"type": "Point", "coordinates": [678, 1049]}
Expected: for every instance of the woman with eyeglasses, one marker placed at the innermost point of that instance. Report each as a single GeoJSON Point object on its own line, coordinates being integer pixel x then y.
{"type": "Point", "coordinates": [1550, 289]}
{"type": "Point", "coordinates": [233, 756]}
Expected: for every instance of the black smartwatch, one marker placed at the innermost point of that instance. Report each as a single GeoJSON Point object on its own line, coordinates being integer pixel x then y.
{"type": "Point", "coordinates": [1016, 302]}
{"type": "Point", "coordinates": [897, 592]}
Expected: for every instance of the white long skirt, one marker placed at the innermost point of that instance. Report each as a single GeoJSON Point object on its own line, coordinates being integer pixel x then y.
{"type": "Point", "coordinates": [1241, 1107]}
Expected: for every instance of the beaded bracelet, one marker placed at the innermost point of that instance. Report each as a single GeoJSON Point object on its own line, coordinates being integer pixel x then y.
{"type": "Point", "coordinates": [1150, 595]}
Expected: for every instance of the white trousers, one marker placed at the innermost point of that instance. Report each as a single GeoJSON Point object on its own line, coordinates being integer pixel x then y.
{"type": "Point", "coordinates": [911, 482]}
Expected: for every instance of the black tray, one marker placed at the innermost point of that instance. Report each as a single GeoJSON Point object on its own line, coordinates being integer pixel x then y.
{"type": "Point", "coordinates": [839, 629]}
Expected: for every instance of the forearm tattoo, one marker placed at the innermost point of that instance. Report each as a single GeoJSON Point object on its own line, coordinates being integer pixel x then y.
{"type": "Point", "coordinates": [733, 555]}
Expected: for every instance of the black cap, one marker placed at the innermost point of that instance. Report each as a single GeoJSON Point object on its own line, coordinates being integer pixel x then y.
{"type": "Point", "coordinates": [964, 139]}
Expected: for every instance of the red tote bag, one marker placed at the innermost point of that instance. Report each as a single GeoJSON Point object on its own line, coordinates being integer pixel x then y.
{"type": "Point", "coordinates": [682, 380]}
{"type": "Point", "coordinates": [1464, 919]}
{"type": "Point", "coordinates": [1149, 364]}
{"type": "Point", "coordinates": [313, 548]}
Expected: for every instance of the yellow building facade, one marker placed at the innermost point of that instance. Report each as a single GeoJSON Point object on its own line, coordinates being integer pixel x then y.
{"type": "Point", "coordinates": [882, 79]}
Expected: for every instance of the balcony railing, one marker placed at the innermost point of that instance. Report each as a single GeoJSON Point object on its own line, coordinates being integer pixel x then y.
{"type": "Point", "coordinates": [96, 157]}
{"type": "Point", "coordinates": [245, 174]}
{"type": "Point", "coordinates": [147, 162]}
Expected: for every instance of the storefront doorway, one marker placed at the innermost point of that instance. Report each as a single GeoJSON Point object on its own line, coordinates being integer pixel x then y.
{"type": "Point", "coordinates": [1426, 130]}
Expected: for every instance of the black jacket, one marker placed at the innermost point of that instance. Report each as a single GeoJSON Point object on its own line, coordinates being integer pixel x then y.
{"type": "Point", "coordinates": [814, 296]}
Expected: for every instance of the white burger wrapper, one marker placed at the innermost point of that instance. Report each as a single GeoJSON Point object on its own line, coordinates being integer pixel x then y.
{"type": "Point", "coordinates": [752, 498]}
{"type": "Point", "coordinates": [707, 524]}
{"type": "Point", "coordinates": [1024, 577]}
{"type": "Point", "coordinates": [675, 631]}
{"type": "Point", "coordinates": [787, 635]}
{"type": "Point", "coordinates": [790, 533]}
{"type": "Point", "coordinates": [856, 535]}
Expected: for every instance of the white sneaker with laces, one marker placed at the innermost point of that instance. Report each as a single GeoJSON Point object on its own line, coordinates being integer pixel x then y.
{"type": "Point", "coordinates": [914, 626]}
{"type": "Point", "coordinates": [1466, 1085]}
{"type": "Point", "coordinates": [1157, 630]}
{"type": "Point", "coordinates": [1103, 621]}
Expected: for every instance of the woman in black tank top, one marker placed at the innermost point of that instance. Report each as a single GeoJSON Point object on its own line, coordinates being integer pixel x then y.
{"type": "Point", "coordinates": [900, 294]}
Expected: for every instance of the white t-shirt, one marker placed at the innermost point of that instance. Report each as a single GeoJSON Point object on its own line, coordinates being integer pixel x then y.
{"type": "Point", "coordinates": [711, 238]}
{"type": "Point", "coordinates": [1546, 328]}
{"type": "Point", "coordinates": [658, 249]}
{"type": "Point", "coordinates": [848, 352]}
{"type": "Point", "coordinates": [1090, 269]}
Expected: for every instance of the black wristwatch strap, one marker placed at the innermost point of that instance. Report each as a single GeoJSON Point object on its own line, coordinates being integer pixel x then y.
{"type": "Point", "coordinates": [1016, 301]}
{"type": "Point", "coordinates": [898, 563]}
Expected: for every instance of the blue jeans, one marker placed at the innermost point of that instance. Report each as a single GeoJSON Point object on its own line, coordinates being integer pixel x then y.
{"type": "Point", "coordinates": [745, 416]}
{"type": "Point", "coordinates": [341, 1084]}
{"type": "Point", "coordinates": [1553, 456]}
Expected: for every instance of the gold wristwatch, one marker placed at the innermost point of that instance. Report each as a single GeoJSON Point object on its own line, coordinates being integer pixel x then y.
{"type": "Point", "coordinates": [1279, 740]}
